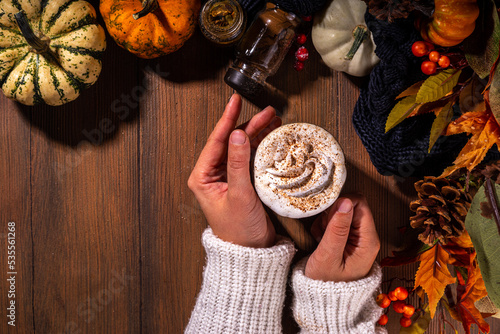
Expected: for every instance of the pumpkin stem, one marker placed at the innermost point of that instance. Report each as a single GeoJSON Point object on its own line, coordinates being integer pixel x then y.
{"type": "Point", "coordinates": [148, 6]}
{"type": "Point", "coordinates": [40, 45]}
{"type": "Point", "coordinates": [360, 33]}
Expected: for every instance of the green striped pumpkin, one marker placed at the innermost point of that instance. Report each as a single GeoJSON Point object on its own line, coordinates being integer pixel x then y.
{"type": "Point", "coordinates": [49, 50]}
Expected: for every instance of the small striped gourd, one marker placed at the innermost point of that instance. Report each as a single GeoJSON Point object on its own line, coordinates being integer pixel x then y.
{"type": "Point", "coordinates": [150, 28]}
{"type": "Point", "coordinates": [49, 50]}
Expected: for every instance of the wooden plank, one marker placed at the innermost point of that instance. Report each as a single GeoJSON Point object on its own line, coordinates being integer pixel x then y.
{"type": "Point", "coordinates": [85, 204]}
{"type": "Point", "coordinates": [179, 112]}
{"type": "Point", "coordinates": [15, 210]}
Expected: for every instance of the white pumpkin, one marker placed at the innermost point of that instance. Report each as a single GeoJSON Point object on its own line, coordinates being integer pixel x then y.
{"type": "Point", "coordinates": [334, 33]}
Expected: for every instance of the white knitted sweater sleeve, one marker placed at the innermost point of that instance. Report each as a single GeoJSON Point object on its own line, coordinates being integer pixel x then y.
{"type": "Point", "coordinates": [243, 288]}
{"type": "Point", "coordinates": [336, 307]}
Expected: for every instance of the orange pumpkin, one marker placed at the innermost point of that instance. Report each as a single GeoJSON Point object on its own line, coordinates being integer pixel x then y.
{"type": "Point", "coordinates": [452, 22]}
{"type": "Point", "coordinates": [152, 28]}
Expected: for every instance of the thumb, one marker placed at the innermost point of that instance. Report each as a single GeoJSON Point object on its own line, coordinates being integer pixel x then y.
{"type": "Point", "coordinates": [337, 231]}
{"type": "Point", "coordinates": [238, 162]}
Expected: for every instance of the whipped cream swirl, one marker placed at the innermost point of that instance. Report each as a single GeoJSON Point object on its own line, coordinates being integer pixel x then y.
{"type": "Point", "coordinates": [299, 170]}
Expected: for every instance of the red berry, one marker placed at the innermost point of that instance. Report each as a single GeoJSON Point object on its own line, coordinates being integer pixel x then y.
{"type": "Point", "coordinates": [302, 54]}
{"type": "Point", "coordinates": [405, 322]}
{"type": "Point", "coordinates": [298, 66]}
{"type": "Point", "coordinates": [401, 293]}
{"type": "Point", "coordinates": [428, 67]}
{"type": "Point", "coordinates": [429, 45]}
{"type": "Point", "coordinates": [408, 310]}
{"type": "Point", "coordinates": [434, 56]}
{"type": "Point", "coordinates": [307, 18]}
{"type": "Point", "coordinates": [444, 61]}
{"type": "Point", "coordinates": [383, 301]}
{"type": "Point", "coordinates": [301, 38]}
{"type": "Point", "coordinates": [392, 296]}
{"type": "Point", "coordinates": [419, 49]}
{"type": "Point", "coordinates": [383, 320]}
{"type": "Point", "coordinates": [398, 306]}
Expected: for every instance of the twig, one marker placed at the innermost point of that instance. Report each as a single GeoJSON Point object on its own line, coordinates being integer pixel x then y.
{"type": "Point", "coordinates": [490, 194]}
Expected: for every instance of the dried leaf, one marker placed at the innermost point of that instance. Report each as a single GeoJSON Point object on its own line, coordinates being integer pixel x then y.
{"type": "Point", "coordinates": [420, 325]}
{"type": "Point", "coordinates": [412, 90]}
{"type": "Point", "coordinates": [463, 241]}
{"type": "Point", "coordinates": [400, 111]}
{"type": "Point", "coordinates": [481, 47]}
{"type": "Point", "coordinates": [433, 275]}
{"type": "Point", "coordinates": [440, 123]}
{"type": "Point", "coordinates": [438, 85]}
{"type": "Point", "coordinates": [485, 133]}
{"type": "Point", "coordinates": [467, 295]}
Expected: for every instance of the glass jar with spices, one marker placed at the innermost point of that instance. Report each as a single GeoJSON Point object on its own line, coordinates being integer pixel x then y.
{"type": "Point", "coordinates": [223, 21]}
{"type": "Point", "coordinates": [262, 49]}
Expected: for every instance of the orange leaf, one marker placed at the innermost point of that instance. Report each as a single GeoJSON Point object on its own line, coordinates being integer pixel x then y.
{"type": "Point", "coordinates": [463, 241]}
{"type": "Point", "coordinates": [485, 133]}
{"type": "Point", "coordinates": [467, 295]}
{"type": "Point", "coordinates": [412, 90]}
{"type": "Point", "coordinates": [433, 275]}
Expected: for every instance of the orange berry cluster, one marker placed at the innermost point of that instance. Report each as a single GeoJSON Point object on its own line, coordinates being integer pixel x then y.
{"type": "Point", "coordinates": [421, 49]}
{"type": "Point", "coordinates": [397, 296]}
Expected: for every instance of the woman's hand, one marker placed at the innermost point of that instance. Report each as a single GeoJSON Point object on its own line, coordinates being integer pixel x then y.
{"type": "Point", "coordinates": [349, 242]}
{"type": "Point", "coordinates": [221, 178]}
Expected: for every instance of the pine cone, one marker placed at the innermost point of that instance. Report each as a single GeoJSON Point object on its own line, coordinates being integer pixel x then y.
{"type": "Point", "coordinates": [440, 209]}
{"type": "Point", "coordinates": [394, 9]}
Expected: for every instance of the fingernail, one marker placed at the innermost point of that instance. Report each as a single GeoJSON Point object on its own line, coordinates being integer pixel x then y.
{"type": "Point", "coordinates": [238, 137]}
{"type": "Point", "coordinates": [345, 206]}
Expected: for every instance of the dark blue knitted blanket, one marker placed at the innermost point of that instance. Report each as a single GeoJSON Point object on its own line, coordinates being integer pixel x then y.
{"type": "Point", "coordinates": [403, 150]}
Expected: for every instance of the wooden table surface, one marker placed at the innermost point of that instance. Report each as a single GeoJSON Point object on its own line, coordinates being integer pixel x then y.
{"type": "Point", "coordinates": [107, 232]}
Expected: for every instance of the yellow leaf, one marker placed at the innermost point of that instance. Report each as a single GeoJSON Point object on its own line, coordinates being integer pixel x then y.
{"type": "Point", "coordinates": [437, 86]}
{"type": "Point", "coordinates": [471, 97]}
{"type": "Point", "coordinates": [433, 275]}
{"type": "Point", "coordinates": [420, 325]}
{"type": "Point", "coordinates": [411, 90]}
{"type": "Point", "coordinates": [442, 120]}
{"type": "Point", "coordinates": [400, 111]}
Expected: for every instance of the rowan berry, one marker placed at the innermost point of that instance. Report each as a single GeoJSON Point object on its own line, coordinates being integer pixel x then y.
{"type": "Point", "coordinates": [408, 310]}
{"type": "Point", "coordinates": [405, 322]}
{"type": "Point", "coordinates": [434, 56]}
{"type": "Point", "coordinates": [428, 67]}
{"type": "Point", "coordinates": [307, 18]}
{"type": "Point", "coordinates": [444, 61]}
{"type": "Point", "coordinates": [383, 301]}
{"type": "Point", "coordinates": [401, 293]}
{"type": "Point", "coordinates": [419, 49]}
{"type": "Point", "coordinates": [383, 320]}
{"type": "Point", "coordinates": [398, 306]}
{"type": "Point", "coordinates": [392, 296]}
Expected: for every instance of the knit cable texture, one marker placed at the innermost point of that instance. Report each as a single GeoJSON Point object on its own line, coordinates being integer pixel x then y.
{"type": "Point", "coordinates": [243, 288]}
{"type": "Point", "coordinates": [336, 307]}
{"type": "Point", "coordinates": [403, 150]}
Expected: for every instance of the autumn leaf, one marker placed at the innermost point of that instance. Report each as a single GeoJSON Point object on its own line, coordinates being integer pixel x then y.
{"type": "Point", "coordinates": [485, 133]}
{"type": "Point", "coordinates": [412, 90]}
{"type": "Point", "coordinates": [463, 241]}
{"type": "Point", "coordinates": [443, 118]}
{"type": "Point", "coordinates": [433, 275]}
{"type": "Point", "coordinates": [437, 86]}
{"type": "Point", "coordinates": [471, 96]}
{"type": "Point", "coordinates": [400, 111]}
{"type": "Point", "coordinates": [467, 295]}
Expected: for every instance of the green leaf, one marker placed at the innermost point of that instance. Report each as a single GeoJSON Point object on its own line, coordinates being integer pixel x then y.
{"type": "Point", "coordinates": [442, 120]}
{"type": "Point", "coordinates": [485, 236]}
{"type": "Point", "coordinates": [400, 111]}
{"type": "Point", "coordinates": [481, 47]}
{"type": "Point", "coordinates": [494, 94]}
{"type": "Point", "coordinates": [438, 85]}
{"type": "Point", "coordinates": [419, 326]}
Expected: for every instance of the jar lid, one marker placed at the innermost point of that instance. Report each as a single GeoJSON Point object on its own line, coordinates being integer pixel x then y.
{"type": "Point", "coordinates": [243, 84]}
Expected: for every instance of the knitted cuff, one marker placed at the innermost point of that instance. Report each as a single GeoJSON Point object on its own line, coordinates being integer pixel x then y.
{"type": "Point", "coordinates": [336, 307]}
{"type": "Point", "coordinates": [243, 288]}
